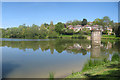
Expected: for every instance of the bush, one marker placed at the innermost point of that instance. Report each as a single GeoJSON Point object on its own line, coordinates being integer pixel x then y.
{"type": "Point", "coordinates": [52, 34]}
{"type": "Point", "coordinates": [81, 37]}
{"type": "Point", "coordinates": [112, 33]}
{"type": "Point", "coordinates": [105, 32]}
{"type": "Point", "coordinates": [116, 57]}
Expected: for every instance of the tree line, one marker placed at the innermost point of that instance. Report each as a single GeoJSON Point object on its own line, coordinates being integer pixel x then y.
{"type": "Point", "coordinates": [55, 31]}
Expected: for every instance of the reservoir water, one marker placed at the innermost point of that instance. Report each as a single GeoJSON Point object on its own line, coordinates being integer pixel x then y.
{"type": "Point", "coordinates": [37, 58]}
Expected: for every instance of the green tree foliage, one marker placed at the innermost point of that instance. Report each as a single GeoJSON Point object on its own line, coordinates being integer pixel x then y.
{"type": "Point", "coordinates": [24, 31]}
{"type": "Point", "coordinates": [46, 25]}
{"type": "Point", "coordinates": [68, 23]}
{"type": "Point", "coordinates": [76, 22]}
{"type": "Point", "coordinates": [67, 31]}
{"type": "Point", "coordinates": [58, 45]}
{"type": "Point", "coordinates": [98, 21]}
{"type": "Point", "coordinates": [85, 31]}
{"type": "Point", "coordinates": [105, 32]}
{"type": "Point", "coordinates": [43, 31]}
{"type": "Point", "coordinates": [84, 22]}
{"type": "Point", "coordinates": [58, 27]}
{"type": "Point", "coordinates": [111, 23]}
{"type": "Point", "coordinates": [31, 32]}
{"type": "Point", "coordinates": [52, 33]}
{"type": "Point", "coordinates": [106, 20]}
{"type": "Point", "coordinates": [118, 30]}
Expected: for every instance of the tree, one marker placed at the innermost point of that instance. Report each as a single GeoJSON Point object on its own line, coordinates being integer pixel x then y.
{"type": "Point", "coordinates": [105, 32]}
{"type": "Point", "coordinates": [51, 27]}
{"type": "Point", "coordinates": [111, 23]}
{"type": "Point", "coordinates": [76, 22]}
{"type": "Point", "coordinates": [52, 33]}
{"type": "Point", "coordinates": [35, 31]}
{"type": "Point", "coordinates": [58, 27]}
{"type": "Point", "coordinates": [70, 31]}
{"type": "Point", "coordinates": [21, 30]}
{"type": "Point", "coordinates": [46, 25]}
{"type": "Point", "coordinates": [68, 23]}
{"type": "Point", "coordinates": [98, 21]}
{"type": "Point", "coordinates": [84, 22]}
{"type": "Point", "coordinates": [43, 31]}
{"type": "Point", "coordinates": [106, 20]}
{"type": "Point", "coordinates": [67, 31]}
{"type": "Point", "coordinates": [117, 31]}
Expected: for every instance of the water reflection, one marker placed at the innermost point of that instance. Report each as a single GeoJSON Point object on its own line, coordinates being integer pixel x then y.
{"type": "Point", "coordinates": [71, 46]}
{"type": "Point", "coordinates": [75, 46]}
{"type": "Point", "coordinates": [36, 59]}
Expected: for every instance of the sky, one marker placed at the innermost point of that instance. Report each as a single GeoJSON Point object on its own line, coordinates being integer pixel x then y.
{"type": "Point", "coordinates": [18, 13]}
{"type": "Point", "coordinates": [60, 0]}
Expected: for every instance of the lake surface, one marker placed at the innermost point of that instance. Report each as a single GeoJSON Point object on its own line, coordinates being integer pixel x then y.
{"type": "Point", "coordinates": [37, 58]}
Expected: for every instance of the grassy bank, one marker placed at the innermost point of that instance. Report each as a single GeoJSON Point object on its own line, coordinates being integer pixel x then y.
{"type": "Point", "coordinates": [60, 36]}
{"type": "Point", "coordinates": [110, 37]}
{"type": "Point", "coordinates": [99, 69]}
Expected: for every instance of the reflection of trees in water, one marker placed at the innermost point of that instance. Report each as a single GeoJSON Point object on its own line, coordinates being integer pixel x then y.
{"type": "Point", "coordinates": [76, 51]}
{"type": "Point", "coordinates": [60, 45]}
{"type": "Point", "coordinates": [106, 49]}
{"type": "Point", "coordinates": [110, 47]}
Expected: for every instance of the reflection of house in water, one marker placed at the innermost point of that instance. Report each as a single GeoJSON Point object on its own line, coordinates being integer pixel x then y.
{"type": "Point", "coordinates": [78, 48]}
{"type": "Point", "coordinates": [89, 46]}
{"type": "Point", "coordinates": [75, 46]}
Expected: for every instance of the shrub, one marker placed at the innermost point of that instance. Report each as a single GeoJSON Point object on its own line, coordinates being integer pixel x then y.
{"type": "Point", "coordinates": [116, 57]}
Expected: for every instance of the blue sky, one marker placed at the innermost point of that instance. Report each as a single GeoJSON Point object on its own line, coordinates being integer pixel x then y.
{"type": "Point", "coordinates": [17, 13]}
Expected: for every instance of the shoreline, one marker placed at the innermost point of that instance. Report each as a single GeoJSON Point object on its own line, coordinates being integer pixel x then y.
{"type": "Point", "coordinates": [100, 71]}
{"type": "Point", "coordinates": [116, 38]}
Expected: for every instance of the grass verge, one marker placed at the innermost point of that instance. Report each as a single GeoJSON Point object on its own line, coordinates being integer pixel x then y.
{"type": "Point", "coordinates": [107, 70]}
{"type": "Point", "coordinates": [99, 69]}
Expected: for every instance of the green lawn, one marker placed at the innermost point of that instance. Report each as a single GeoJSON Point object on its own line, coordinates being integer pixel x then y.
{"type": "Point", "coordinates": [110, 37]}
{"type": "Point", "coordinates": [103, 36]}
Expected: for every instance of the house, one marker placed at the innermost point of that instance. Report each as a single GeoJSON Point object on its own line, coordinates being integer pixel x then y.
{"type": "Point", "coordinates": [89, 27]}
{"type": "Point", "coordinates": [90, 23]}
{"type": "Point", "coordinates": [95, 27]}
{"type": "Point", "coordinates": [109, 29]}
{"type": "Point", "coordinates": [70, 27]}
{"type": "Point", "coordinates": [75, 28]}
